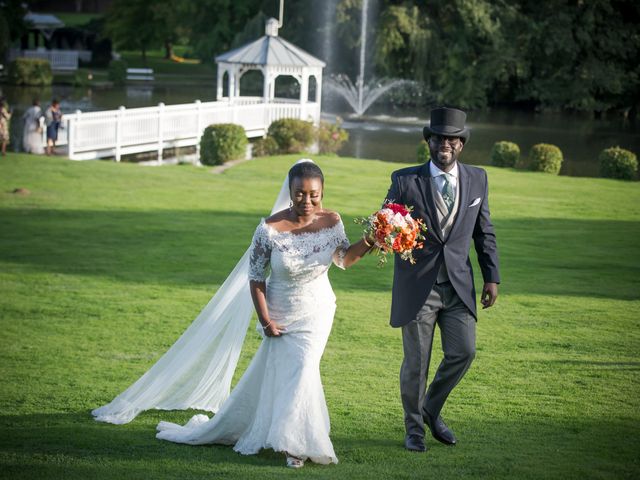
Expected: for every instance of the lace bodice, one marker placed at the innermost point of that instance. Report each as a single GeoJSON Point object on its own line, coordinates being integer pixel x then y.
{"type": "Point", "coordinates": [299, 256]}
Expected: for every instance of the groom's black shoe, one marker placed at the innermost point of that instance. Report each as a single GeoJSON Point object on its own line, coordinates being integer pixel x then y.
{"type": "Point", "coordinates": [415, 443]}
{"type": "Point", "coordinates": [439, 429]}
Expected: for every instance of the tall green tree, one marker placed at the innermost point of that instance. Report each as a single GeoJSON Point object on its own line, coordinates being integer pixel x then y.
{"type": "Point", "coordinates": [581, 55]}
{"type": "Point", "coordinates": [130, 25]}
{"type": "Point", "coordinates": [12, 24]}
{"type": "Point", "coordinates": [213, 24]}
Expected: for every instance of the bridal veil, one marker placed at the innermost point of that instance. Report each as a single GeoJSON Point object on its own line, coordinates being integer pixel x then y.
{"type": "Point", "coordinates": [197, 370]}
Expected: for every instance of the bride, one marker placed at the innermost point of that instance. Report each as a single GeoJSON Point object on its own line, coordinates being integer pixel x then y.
{"type": "Point", "coordinates": [279, 401]}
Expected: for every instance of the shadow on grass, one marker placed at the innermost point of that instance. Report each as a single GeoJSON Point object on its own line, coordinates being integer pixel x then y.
{"type": "Point", "coordinates": [591, 258]}
{"type": "Point", "coordinates": [72, 445]}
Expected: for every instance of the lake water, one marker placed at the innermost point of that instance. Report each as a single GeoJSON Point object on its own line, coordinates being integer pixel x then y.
{"type": "Point", "coordinates": [380, 136]}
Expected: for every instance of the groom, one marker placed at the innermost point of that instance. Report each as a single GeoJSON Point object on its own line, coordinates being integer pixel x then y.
{"type": "Point", "coordinates": [451, 199]}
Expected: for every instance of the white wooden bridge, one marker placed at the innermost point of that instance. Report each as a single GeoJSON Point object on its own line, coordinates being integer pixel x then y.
{"type": "Point", "coordinates": [114, 133]}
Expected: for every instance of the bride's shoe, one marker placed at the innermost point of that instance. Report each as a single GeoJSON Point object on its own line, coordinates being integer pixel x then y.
{"type": "Point", "coordinates": [294, 462]}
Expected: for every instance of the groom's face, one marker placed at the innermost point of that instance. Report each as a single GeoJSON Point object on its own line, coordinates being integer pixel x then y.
{"type": "Point", "coordinates": [445, 150]}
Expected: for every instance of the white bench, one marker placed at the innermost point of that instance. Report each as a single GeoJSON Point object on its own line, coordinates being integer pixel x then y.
{"type": "Point", "coordinates": [144, 74]}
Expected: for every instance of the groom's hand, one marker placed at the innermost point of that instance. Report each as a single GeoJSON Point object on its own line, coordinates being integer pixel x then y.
{"type": "Point", "coordinates": [489, 294]}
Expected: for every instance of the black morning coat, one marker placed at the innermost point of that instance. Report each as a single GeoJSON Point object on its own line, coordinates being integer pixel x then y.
{"type": "Point", "coordinates": [412, 283]}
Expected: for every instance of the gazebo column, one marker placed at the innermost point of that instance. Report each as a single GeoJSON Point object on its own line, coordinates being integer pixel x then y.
{"type": "Point", "coordinates": [236, 83]}
{"type": "Point", "coordinates": [304, 93]}
{"type": "Point", "coordinates": [318, 99]}
{"type": "Point", "coordinates": [272, 86]}
{"type": "Point", "coordinates": [266, 84]}
{"type": "Point", "coordinates": [231, 83]}
{"type": "Point", "coordinates": [219, 85]}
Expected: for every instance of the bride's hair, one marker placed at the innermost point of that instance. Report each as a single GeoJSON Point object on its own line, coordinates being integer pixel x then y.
{"type": "Point", "coordinates": [305, 170]}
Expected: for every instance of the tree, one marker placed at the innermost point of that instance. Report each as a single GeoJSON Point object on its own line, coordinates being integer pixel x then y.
{"type": "Point", "coordinates": [12, 24]}
{"type": "Point", "coordinates": [582, 55]}
{"type": "Point", "coordinates": [131, 24]}
{"type": "Point", "coordinates": [214, 23]}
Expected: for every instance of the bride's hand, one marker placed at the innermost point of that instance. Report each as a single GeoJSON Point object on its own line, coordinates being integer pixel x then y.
{"type": "Point", "coordinates": [273, 329]}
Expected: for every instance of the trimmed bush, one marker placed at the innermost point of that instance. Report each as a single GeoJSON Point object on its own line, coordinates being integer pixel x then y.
{"type": "Point", "coordinates": [264, 147]}
{"type": "Point", "coordinates": [505, 154]}
{"type": "Point", "coordinates": [616, 162]}
{"type": "Point", "coordinates": [423, 154]}
{"type": "Point", "coordinates": [545, 158]}
{"type": "Point", "coordinates": [291, 135]}
{"type": "Point", "coordinates": [331, 136]}
{"type": "Point", "coordinates": [30, 71]}
{"type": "Point", "coordinates": [118, 72]}
{"type": "Point", "coordinates": [221, 143]}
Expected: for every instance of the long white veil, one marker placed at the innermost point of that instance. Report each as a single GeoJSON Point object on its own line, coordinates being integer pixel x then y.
{"type": "Point", "coordinates": [196, 371]}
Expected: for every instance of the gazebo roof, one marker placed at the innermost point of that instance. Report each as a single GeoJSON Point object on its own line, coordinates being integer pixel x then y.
{"type": "Point", "coordinates": [270, 50]}
{"type": "Point", "coordinates": [43, 21]}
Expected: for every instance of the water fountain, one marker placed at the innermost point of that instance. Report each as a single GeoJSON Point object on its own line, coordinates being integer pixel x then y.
{"type": "Point", "coordinates": [360, 96]}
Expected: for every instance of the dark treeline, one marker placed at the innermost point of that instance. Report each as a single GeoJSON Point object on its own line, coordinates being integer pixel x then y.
{"type": "Point", "coordinates": [572, 54]}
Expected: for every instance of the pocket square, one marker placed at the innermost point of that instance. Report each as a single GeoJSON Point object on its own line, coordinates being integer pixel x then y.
{"type": "Point", "coordinates": [475, 202]}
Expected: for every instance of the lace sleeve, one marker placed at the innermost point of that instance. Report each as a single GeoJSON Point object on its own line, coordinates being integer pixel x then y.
{"type": "Point", "coordinates": [260, 255]}
{"type": "Point", "coordinates": [342, 245]}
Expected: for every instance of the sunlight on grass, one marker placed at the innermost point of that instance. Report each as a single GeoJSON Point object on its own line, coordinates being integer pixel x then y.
{"type": "Point", "coordinates": [103, 265]}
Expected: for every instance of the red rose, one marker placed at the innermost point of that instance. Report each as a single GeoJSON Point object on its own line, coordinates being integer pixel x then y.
{"type": "Point", "coordinates": [397, 208]}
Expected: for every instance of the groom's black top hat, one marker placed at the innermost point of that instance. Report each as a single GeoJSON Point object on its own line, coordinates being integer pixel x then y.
{"type": "Point", "coordinates": [448, 122]}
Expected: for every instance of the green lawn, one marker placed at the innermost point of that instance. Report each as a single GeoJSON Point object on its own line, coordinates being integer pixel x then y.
{"type": "Point", "coordinates": [103, 266]}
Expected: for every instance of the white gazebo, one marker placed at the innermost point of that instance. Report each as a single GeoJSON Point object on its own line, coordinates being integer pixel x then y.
{"type": "Point", "coordinates": [41, 26]}
{"type": "Point", "coordinates": [274, 57]}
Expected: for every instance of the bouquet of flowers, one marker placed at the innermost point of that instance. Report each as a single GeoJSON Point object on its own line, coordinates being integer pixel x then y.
{"type": "Point", "coordinates": [394, 230]}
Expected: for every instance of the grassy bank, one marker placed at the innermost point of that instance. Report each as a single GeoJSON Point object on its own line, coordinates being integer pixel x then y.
{"type": "Point", "coordinates": [103, 265]}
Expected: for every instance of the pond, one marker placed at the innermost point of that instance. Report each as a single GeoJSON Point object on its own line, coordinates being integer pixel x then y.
{"type": "Point", "coordinates": [378, 135]}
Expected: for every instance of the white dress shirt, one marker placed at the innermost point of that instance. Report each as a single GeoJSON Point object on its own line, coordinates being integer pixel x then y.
{"type": "Point", "coordinates": [439, 176]}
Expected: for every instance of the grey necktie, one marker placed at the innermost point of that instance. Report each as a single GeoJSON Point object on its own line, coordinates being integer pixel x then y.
{"type": "Point", "coordinates": [448, 192]}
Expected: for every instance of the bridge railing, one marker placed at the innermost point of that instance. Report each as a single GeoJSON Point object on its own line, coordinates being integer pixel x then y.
{"type": "Point", "coordinates": [114, 133]}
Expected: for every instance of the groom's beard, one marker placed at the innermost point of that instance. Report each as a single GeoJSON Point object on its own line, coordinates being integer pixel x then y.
{"type": "Point", "coordinates": [445, 158]}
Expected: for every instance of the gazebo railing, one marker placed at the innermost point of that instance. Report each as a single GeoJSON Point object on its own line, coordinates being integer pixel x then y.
{"type": "Point", "coordinates": [114, 133]}
{"type": "Point", "coordinates": [60, 60]}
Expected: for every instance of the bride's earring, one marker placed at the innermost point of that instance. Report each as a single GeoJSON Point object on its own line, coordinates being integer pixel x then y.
{"type": "Point", "coordinates": [290, 205]}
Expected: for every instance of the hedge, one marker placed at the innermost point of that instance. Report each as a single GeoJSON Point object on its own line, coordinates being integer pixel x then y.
{"type": "Point", "coordinates": [30, 71]}
{"type": "Point", "coordinates": [546, 158]}
{"type": "Point", "coordinates": [292, 135]}
{"type": "Point", "coordinates": [616, 162]}
{"type": "Point", "coordinates": [505, 154]}
{"type": "Point", "coordinates": [221, 143]}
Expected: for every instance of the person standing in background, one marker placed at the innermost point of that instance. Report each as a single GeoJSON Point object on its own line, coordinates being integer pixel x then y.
{"type": "Point", "coordinates": [32, 131]}
{"type": "Point", "coordinates": [53, 119]}
{"type": "Point", "coordinates": [5, 116]}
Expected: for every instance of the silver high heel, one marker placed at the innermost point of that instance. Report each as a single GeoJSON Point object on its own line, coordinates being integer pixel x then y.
{"type": "Point", "coordinates": [294, 462]}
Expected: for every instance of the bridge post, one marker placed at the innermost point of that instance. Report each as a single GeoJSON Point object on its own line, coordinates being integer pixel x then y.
{"type": "Point", "coordinates": [119, 117]}
{"type": "Point", "coordinates": [199, 127]}
{"type": "Point", "coordinates": [160, 121]}
{"type": "Point", "coordinates": [71, 133]}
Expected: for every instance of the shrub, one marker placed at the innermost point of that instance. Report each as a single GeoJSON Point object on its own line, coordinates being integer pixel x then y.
{"type": "Point", "coordinates": [545, 158]}
{"type": "Point", "coordinates": [30, 71]}
{"type": "Point", "coordinates": [505, 154]}
{"type": "Point", "coordinates": [616, 162]}
{"type": "Point", "coordinates": [221, 143]}
{"type": "Point", "coordinates": [292, 135]}
{"type": "Point", "coordinates": [331, 136]}
{"type": "Point", "coordinates": [118, 72]}
{"type": "Point", "coordinates": [422, 152]}
{"type": "Point", "coordinates": [264, 147]}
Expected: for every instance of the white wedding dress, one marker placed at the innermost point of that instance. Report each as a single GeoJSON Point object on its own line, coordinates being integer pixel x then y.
{"type": "Point", "coordinates": [279, 401]}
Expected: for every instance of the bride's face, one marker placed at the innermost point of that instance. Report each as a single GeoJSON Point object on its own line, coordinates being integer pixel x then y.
{"type": "Point", "coordinates": [306, 195]}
